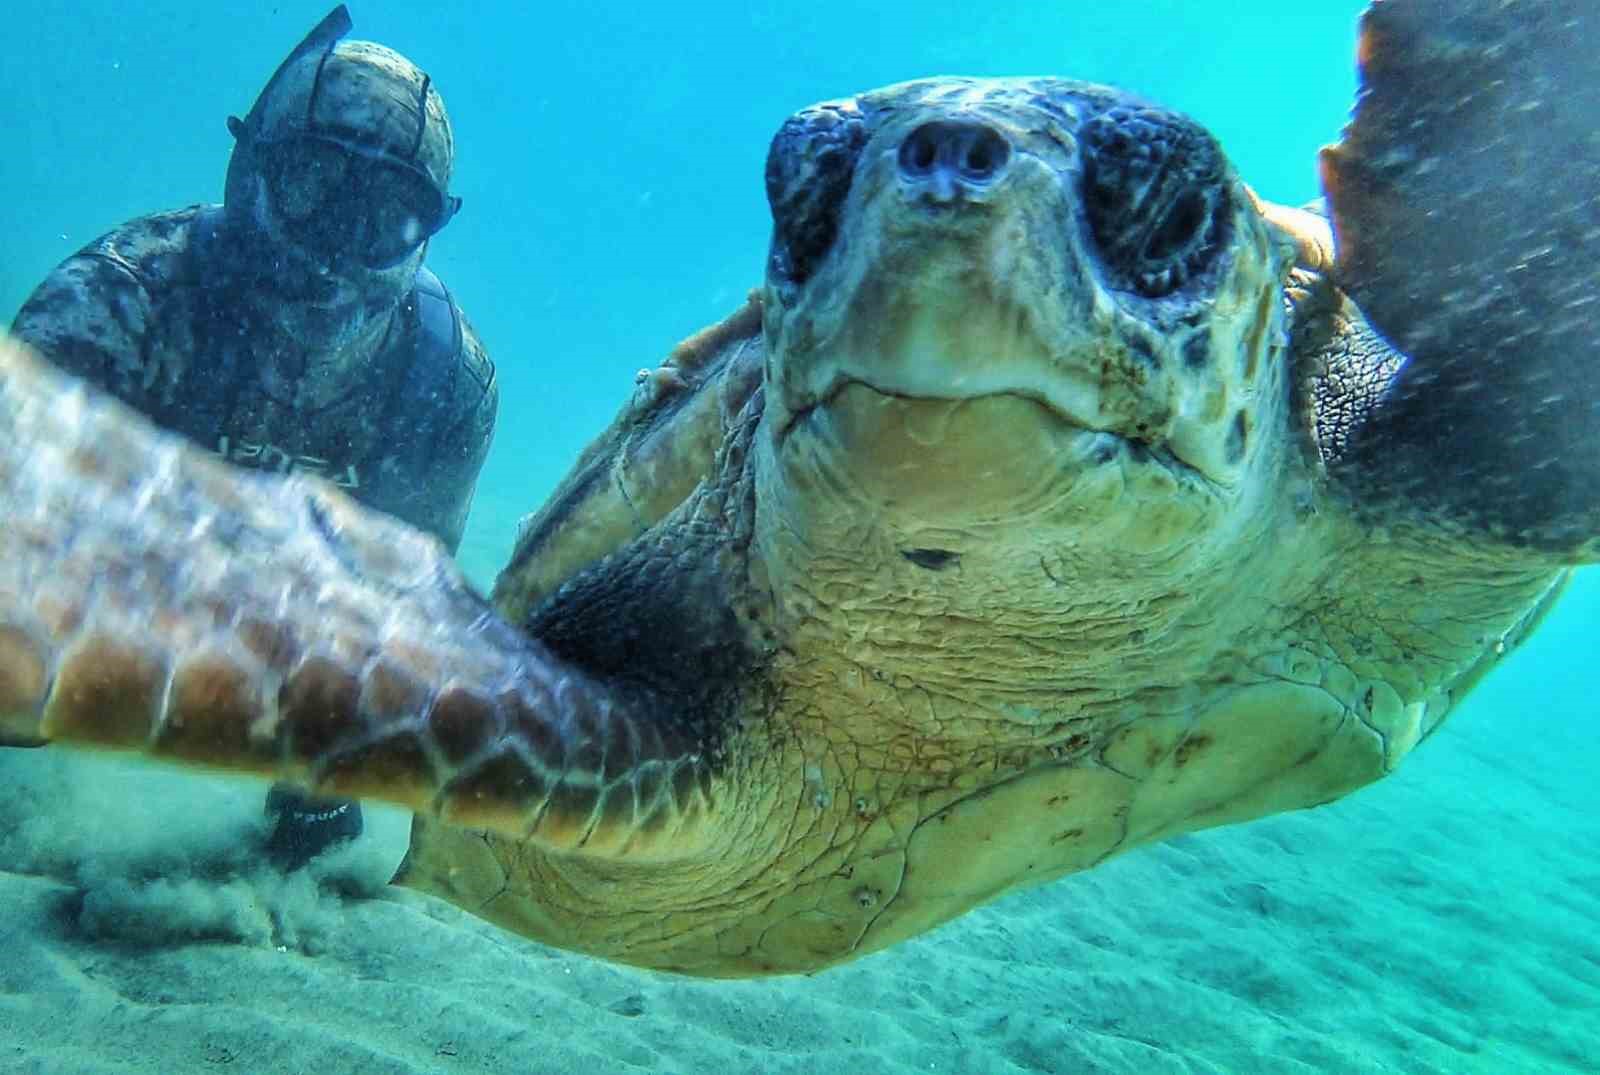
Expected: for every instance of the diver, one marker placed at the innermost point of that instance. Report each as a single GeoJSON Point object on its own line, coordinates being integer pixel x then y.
{"type": "Point", "coordinates": [294, 327]}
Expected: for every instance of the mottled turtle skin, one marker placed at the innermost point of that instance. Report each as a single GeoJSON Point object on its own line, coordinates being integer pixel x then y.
{"type": "Point", "coordinates": [1055, 495]}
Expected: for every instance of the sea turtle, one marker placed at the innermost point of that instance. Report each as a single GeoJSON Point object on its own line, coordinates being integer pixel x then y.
{"type": "Point", "coordinates": [1054, 495]}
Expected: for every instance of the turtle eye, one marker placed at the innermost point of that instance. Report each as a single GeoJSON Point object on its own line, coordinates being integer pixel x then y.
{"type": "Point", "coordinates": [1155, 194]}
{"type": "Point", "coordinates": [809, 169]}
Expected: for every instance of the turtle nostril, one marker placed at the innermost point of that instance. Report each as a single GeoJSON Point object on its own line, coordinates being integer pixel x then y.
{"type": "Point", "coordinates": [986, 155]}
{"type": "Point", "coordinates": [963, 151]}
{"type": "Point", "coordinates": [919, 152]}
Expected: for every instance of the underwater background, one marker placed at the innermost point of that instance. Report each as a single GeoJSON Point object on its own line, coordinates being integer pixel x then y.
{"type": "Point", "coordinates": [610, 157]}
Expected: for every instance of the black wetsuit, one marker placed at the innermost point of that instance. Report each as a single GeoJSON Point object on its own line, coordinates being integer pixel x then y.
{"type": "Point", "coordinates": [153, 313]}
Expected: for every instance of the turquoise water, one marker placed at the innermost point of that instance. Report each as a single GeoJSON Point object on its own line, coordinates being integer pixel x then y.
{"type": "Point", "coordinates": [610, 158]}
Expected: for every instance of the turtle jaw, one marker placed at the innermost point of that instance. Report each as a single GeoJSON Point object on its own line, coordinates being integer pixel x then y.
{"type": "Point", "coordinates": [985, 464]}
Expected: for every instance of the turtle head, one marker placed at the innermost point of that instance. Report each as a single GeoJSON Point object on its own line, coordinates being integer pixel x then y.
{"type": "Point", "coordinates": [1020, 306]}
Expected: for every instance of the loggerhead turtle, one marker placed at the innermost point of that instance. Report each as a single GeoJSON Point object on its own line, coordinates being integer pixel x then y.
{"type": "Point", "coordinates": [1054, 495]}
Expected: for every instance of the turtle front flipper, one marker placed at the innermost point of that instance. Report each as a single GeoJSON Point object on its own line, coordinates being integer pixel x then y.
{"type": "Point", "coordinates": [1466, 204]}
{"type": "Point", "coordinates": [660, 446]}
{"type": "Point", "coordinates": [156, 601]}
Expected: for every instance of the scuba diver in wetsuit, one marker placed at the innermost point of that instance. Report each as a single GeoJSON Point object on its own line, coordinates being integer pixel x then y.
{"type": "Point", "coordinates": [294, 327]}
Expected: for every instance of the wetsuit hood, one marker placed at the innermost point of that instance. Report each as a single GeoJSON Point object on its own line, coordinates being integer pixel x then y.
{"type": "Point", "coordinates": [358, 92]}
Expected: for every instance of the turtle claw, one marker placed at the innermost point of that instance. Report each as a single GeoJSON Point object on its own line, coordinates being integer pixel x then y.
{"type": "Point", "coordinates": [1466, 205]}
